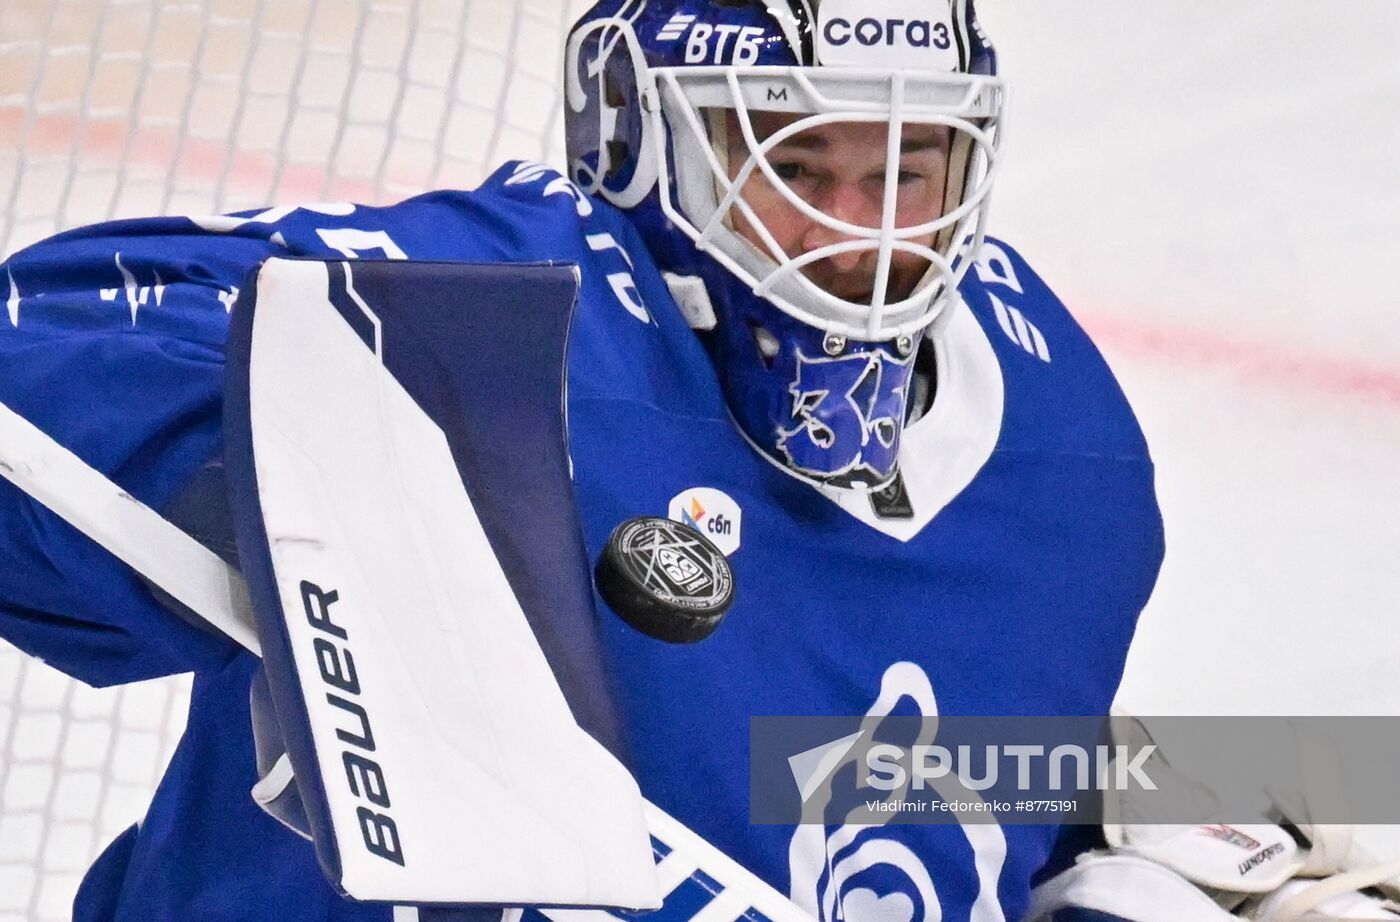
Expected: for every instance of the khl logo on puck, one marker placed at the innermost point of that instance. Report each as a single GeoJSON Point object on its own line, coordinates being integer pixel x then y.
{"type": "Point", "coordinates": [665, 579]}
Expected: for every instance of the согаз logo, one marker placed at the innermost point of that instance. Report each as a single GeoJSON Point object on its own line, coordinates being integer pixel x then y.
{"type": "Point", "coordinates": [917, 33]}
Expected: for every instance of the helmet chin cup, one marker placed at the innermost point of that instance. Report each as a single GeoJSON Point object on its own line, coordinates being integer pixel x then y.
{"type": "Point", "coordinates": [824, 407]}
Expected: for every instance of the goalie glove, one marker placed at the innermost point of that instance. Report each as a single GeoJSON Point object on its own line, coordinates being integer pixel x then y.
{"type": "Point", "coordinates": [1292, 870]}
{"type": "Point", "coordinates": [1122, 885]}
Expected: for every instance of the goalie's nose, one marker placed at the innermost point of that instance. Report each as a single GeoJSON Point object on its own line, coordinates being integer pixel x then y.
{"type": "Point", "coordinates": [849, 273]}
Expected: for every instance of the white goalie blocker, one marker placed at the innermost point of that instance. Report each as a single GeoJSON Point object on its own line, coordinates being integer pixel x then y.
{"type": "Point", "coordinates": [435, 754]}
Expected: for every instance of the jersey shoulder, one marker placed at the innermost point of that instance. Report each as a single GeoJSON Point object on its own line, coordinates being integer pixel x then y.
{"type": "Point", "coordinates": [1061, 394]}
{"type": "Point", "coordinates": [523, 212]}
{"type": "Point", "coordinates": [177, 278]}
{"type": "Point", "coordinates": [180, 275]}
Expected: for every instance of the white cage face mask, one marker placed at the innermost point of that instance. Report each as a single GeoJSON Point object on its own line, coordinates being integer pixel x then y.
{"type": "Point", "coordinates": [842, 196]}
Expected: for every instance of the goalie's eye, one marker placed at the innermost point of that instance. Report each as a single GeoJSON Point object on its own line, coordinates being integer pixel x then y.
{"type": "Point", "coordinates": [801, 177]}
{"type": "Point", "coordinates": [789, 172]}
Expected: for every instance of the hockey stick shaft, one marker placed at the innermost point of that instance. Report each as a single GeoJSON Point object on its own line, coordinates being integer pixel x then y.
{"type": "Point", "coordinates": [127, 528]}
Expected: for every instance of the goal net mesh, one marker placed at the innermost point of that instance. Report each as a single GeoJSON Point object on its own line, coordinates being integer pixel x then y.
{"type": "Point", "coordinates": [121, 108]}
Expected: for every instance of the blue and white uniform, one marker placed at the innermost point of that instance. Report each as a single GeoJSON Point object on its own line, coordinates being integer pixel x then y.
{"type": "Point", "coordinates": [1010, 585]}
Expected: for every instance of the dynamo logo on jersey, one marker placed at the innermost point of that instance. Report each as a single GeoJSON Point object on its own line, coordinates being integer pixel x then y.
{"type": "Point", "coordinates": [711, 512]}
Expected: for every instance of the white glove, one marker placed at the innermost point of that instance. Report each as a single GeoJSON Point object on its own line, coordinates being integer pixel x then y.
{"type": "Point", "coordinates": [1223, 872]}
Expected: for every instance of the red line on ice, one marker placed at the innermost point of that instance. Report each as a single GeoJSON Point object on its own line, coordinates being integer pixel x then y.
{"type": "Point", "coordinates": [1269, 363]}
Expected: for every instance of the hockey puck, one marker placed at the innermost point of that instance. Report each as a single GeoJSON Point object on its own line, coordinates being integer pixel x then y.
{"type": "Point", "coordinates": [665, 579]}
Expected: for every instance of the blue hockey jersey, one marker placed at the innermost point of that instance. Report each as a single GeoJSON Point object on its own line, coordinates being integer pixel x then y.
{"type": "Point", "coordinates": [1004, 578]}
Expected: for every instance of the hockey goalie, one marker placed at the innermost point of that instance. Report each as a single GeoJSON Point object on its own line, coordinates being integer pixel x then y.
{"type": "Point", "coordinates": [362, 470]}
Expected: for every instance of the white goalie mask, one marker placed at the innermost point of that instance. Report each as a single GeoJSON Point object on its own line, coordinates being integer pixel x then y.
{"type": "Point", "coordinates": [830, 162]}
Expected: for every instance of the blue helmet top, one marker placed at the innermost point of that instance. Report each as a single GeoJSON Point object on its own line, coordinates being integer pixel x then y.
{"type": "Point", "coordinates": [807, 173]}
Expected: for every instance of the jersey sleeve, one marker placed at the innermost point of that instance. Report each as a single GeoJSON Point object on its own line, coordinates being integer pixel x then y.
{"type": "Point", "coordinates": [112, 343]}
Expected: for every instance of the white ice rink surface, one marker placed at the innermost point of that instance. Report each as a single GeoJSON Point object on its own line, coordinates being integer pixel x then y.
{"type": "Point", "coordinates": [1214, 189]}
